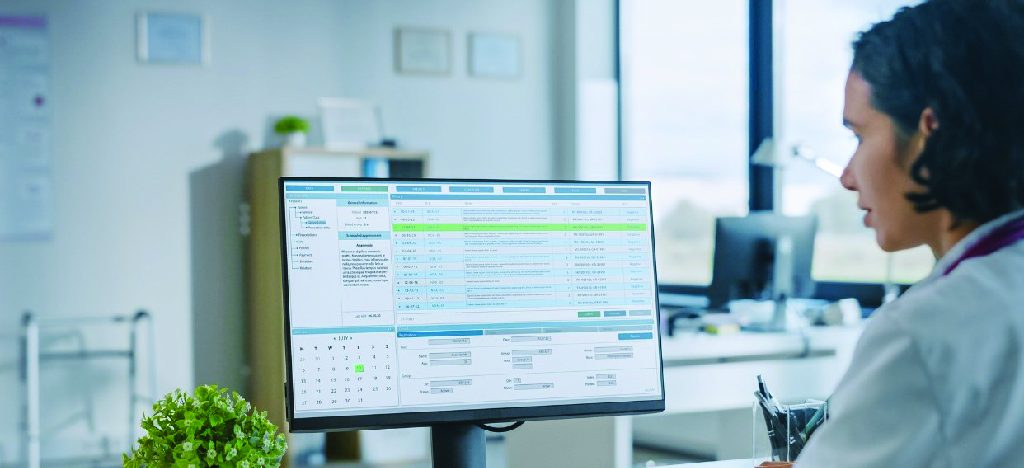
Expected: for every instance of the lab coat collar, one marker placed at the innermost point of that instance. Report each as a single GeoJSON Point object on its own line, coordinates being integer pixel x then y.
{"type": "Point", "coordinates": [960, 248]}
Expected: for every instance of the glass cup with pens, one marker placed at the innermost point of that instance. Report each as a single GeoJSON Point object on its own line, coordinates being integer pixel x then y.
{"type": "Point", "coordinates": [779, 432]}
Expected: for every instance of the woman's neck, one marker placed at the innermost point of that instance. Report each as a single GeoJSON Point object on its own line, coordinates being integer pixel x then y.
{"type": "Point", "coordinates": [947, 238]}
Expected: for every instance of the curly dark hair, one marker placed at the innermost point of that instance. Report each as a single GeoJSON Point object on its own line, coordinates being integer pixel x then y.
{"type": "Point", "coordinates": [965, 60]}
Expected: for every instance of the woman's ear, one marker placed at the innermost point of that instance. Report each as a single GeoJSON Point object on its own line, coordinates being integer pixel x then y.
{"type": "Point", "coordinates": [929, 122]}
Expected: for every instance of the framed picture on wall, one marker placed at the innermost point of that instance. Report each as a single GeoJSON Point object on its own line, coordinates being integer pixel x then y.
{"type": "Point", "coordinates": [495, 56]}
{"type": "Point", "coordinates": [423, 51]}
{"type": "Point", "coordinates": [349, 123]}
{"type": "Point", "coordinates": [172, 38]}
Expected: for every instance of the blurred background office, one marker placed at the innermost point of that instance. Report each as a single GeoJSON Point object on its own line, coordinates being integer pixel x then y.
{"type": "Point", "coordinates": [135, 195]}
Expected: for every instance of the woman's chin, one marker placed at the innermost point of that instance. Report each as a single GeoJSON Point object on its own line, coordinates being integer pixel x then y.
{"type": "Point", "coordinates": [889, 244]}
{"type": "Point", "coordinates": [885, 243]}
{"type": "Point", "coordinates": [889, 249]}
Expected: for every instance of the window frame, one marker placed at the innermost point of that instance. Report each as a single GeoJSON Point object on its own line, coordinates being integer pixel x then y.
{"type": "Point", "coordinates": [761, 179]}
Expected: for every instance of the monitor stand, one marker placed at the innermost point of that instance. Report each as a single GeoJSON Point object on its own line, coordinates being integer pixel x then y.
{"type": "Point", "coordinates": [458, 446]}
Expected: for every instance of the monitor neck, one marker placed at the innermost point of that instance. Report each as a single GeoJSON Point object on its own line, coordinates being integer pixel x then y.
{"type": "Point", "coordinates": [458, 446]}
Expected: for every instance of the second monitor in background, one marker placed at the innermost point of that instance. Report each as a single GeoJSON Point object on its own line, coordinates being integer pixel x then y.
{"type": "Point", "coordinates": [762, 256]}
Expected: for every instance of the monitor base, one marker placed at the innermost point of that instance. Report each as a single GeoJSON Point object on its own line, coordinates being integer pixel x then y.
{"type": "Point", "coordinates": [458, 446]}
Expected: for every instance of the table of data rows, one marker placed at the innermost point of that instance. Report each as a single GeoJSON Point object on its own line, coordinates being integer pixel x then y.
{"type": "Point", "coordinates": [483, 258]}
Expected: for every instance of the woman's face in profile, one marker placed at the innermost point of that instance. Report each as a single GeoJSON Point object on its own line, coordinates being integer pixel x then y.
{"type": "Point", "coordinates": [881, 176]}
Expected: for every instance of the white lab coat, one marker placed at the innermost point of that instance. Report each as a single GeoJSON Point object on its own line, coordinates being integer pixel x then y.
{"type": "Point", "coordinates": [937, 379]}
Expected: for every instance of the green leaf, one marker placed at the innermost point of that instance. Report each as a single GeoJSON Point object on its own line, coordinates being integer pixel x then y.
{"type": "Point", "coordinates": [183, 429]}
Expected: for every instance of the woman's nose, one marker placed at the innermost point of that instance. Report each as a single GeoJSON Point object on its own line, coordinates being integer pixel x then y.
{"type": "Point", "coordinates": [847, 179]}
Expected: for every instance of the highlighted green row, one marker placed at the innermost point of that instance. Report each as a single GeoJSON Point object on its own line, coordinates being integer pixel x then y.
{"type": "Point", "coordinates": [516, 227]}
{"type": "Point", "coordinates": [363, 188]}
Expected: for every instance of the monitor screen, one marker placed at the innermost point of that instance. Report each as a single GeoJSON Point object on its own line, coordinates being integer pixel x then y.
{"type": "Point", "coordinates": [415, 302]}
{"type": "Point", "coordinates": [746, 256]}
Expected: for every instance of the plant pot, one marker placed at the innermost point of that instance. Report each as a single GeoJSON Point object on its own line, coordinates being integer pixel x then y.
{"type": "Point", "coordinates": [295, 140]}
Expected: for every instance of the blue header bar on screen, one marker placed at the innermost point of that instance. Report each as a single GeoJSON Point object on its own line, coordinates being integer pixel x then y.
{"type": "Point", "coordinates": [524, 190]}
{"type": "Point", "coordinates": [624, 190]}
{"type": "Point", "coordinates": [455, 190]}
{"type": "Point", "coordinates": [309, 188]}
{"type": "Point", "coordinates": [575, 190]}
{"type": "Point", "coordinates": [470, 189]}
{"type": "Point", "coordinates": [442, 196]}
{"type": "Point", "coordinates": [418, 188]}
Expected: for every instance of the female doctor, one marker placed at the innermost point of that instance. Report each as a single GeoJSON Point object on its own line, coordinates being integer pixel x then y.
{"type": "Point", "coordinates": [936, 100]}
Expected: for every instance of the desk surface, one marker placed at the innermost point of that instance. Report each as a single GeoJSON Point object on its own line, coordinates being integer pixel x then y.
{"type": "Point", "coordinates": [795, 365]}
{"type": "Point", "coordinates": [694, 348]}
{"type": "Point", "coordinates": [742, 463]}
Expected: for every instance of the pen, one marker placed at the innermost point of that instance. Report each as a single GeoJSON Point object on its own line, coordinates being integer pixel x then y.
{"type": "Point", "coordinates": [769, 399]}
{"type": "Point", "coordinates": [815, 421]}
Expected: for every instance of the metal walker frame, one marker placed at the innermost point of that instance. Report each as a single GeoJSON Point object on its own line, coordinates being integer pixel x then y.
{"type": "Point", "coordinates": [32, 356]}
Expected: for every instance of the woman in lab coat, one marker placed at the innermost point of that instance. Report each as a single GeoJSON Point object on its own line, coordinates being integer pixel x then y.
{"type": "Point", "coordinates": [936, 100]}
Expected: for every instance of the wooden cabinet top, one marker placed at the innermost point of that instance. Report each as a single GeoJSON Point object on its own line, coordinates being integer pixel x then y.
{"type": "Point", "coordinates": [386, 153]}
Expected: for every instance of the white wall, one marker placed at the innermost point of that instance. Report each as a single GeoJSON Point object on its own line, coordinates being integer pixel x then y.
{"type": "Point", "coordinates": [497, 128]}
{"type": "Point", "coordinates": [148, 159]}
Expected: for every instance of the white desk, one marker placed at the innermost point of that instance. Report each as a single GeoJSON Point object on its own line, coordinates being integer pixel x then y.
{"type": "Point", "coordinates": [794, 365]}
{"type": "Point", "coordinates": [705, 375]}
{"type": "Point", "coordinates": [716, 464]}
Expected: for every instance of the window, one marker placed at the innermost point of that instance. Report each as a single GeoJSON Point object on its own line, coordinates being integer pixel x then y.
{"type": "Point", "coordinates": [684, 122]}
{"type": "Point", "coordinates": [813, 43]}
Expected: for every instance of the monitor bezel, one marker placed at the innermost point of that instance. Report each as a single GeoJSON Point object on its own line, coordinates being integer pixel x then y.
{"type": "Point", "coordinates": [467, 416]}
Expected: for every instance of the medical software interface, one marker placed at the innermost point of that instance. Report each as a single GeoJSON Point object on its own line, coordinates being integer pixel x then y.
{"type": "Point", "coordinates": [428, 296]}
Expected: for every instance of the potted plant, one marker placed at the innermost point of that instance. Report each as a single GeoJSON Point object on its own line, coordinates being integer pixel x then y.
{"type": "Point", "coordinates": [293, 129]}
{"type": "Point", "coordinates": [210, 429]}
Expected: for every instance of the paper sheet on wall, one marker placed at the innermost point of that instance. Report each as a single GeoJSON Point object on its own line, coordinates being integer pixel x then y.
{"type": "Point", "coordinates": [26, 158]}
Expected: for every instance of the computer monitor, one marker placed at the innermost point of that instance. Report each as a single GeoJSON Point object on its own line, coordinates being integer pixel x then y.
{"type": "Point", "coordinates": [450, 303]}
{"type": "Point", "coordinates": [747, 257]}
